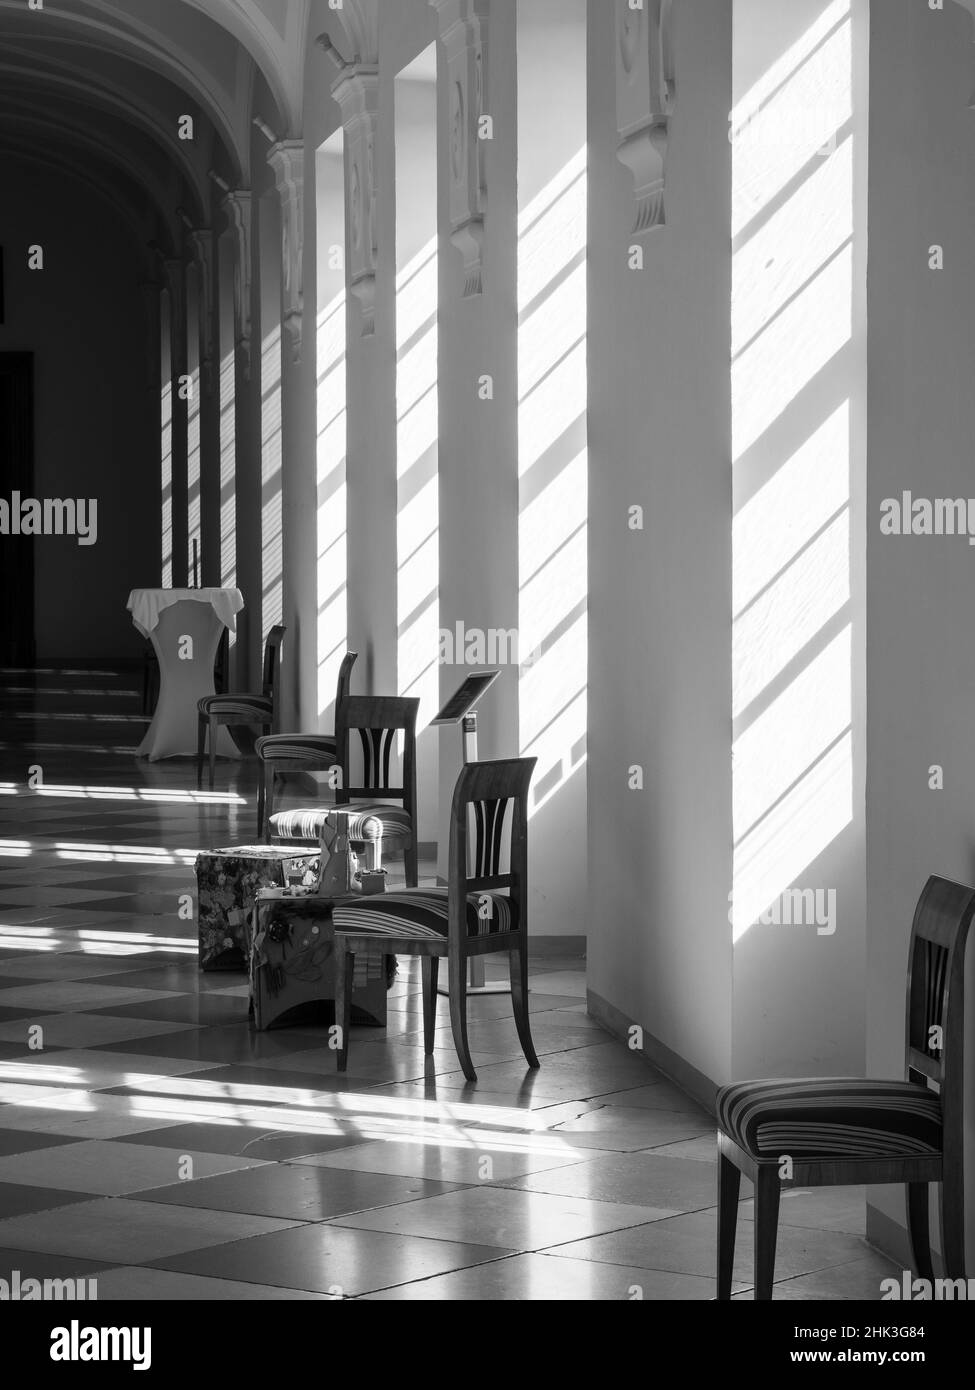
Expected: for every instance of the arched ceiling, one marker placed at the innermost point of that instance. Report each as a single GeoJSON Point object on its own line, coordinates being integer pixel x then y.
{"type": "Point", "coordinates": [101, 85]}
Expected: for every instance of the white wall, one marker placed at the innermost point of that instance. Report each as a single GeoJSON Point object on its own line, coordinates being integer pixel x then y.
{"type": "Point", "coordinates": [920, 657]}
{"type": "Point", "coordinates": [660, 643]}
{"type": "Point", "coordinates": [799, 369]}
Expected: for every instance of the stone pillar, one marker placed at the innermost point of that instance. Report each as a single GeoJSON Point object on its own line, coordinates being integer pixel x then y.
{"type": "Point", "coordinates": [238, 210]}
{"type": "Point", "coordinates": [298, 436]}
{"type": "Point", "coordinates": [478, 325]}
{"type": "Point", "coordinates": [371, 368]}
{"type": "Point", "coordinates": [152, 298]}
{"type": "Point", "coordinates": [203, 245]}
{"type": "Point", "coordinates": [176, 280]}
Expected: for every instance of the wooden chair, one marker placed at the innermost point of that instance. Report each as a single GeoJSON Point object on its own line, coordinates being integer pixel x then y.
{"type": "Point", "coordinates": [481, 911]}
{"type": "Point", "coordinates": [847, 1130]}
{"type": "Point", "coordinates": [238, 707]}
{"type": "Point", "coordinates": [373, 820]}
{"type": "Point", "coordinates": [307, 752]}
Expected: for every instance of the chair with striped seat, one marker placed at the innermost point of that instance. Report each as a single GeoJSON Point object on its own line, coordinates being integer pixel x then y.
{"type": "Point", "coordinates": [239, 708]}
{"type": "Point", "coordinates": [365, 790]}
{"type": "Point", "coordinates": [847, 1130]}
{"type": "Point", "coordinates": [483, 909]}
{"type": "Point", "coordinates": [280, 753]}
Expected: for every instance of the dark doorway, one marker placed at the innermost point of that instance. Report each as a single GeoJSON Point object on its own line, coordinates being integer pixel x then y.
{"type": "Point", "coordinates": [16, 475]}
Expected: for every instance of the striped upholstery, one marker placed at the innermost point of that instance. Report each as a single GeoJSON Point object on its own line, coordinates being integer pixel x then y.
{"type": "Point", "coordinates": [317, 750]}
{"type": "Point", "coordinates": [420, 914]}
{"type": "Point", "coordinates": [836, 1117]}
{"type": "Point", "coordinates": [253, 709]}
{"type": "Point", "coordinates": [367, 822]}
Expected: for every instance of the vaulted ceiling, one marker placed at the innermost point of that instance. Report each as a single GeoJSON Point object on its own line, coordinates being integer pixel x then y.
{"type": "Point", "coordinates": [97, 88]}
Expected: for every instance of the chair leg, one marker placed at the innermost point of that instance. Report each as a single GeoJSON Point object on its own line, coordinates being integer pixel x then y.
{"type": "Point", "coordinates": [729, 1186]}
{"type": "Point", "coordinates": [919, 1226]}
{"type": "Point", "coordinates": [951, 1211]}
{"type": "Point", "coordinates": [766, 1228]}
{"type": "Point", "coordinates": [201, 734]}
{"type": "Point", "coordinates": [430, 965]}
{"type": "Point", "coordinates": [344, 967]}
{"type": "Point", "coordinates": [410, 863]}
{"type": "Point", "coordinates": [518, 965]}
{"type": "Point", "coordinates": [213, 750]}
{"type": "Point", "coordinates": [457, 977]}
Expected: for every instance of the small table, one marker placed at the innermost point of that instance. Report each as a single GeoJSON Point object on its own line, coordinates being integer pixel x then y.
{"type": "Point", "coordinates": [185, 627]}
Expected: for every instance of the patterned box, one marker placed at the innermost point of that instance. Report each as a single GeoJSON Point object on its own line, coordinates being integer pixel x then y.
{"type": "Point", "coordinates": [292, 960]}
{"type": "Point", "coordinates": [227, 884]}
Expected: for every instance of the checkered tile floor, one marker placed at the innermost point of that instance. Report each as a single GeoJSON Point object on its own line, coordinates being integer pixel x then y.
{"type": "Point", "coordinates": [151, 1140]}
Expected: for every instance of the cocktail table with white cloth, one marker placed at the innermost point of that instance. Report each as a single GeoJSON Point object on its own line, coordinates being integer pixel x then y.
{"type": "Point", "coordinates": [185, 627]}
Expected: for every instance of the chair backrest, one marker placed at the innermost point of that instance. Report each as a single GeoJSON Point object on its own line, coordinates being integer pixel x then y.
{"type": "Point", "coordinates": [221, 664]}
{"type": "Point", "coordinates": [344, 687]}
{"type": "Point", "coordinates": [272, 660]}
{"type": "Point", "coordinates": [935, 995]}
{"type": "Point", "coordinates": [488, 826]}
{"type": "Point", "coordinates": [377, 719]}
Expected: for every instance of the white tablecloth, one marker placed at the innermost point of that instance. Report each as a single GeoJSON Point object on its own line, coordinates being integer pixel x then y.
{"type": "Point", "coordinates": [185, 627]}
{"type": "Point", "coordinates": [148, 605]}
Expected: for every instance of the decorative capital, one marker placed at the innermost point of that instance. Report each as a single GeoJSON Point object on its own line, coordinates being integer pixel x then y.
{"type": "Point", "coordinates": [463, 26]}
{"type": "Point", "coordinates": [287, 159]}
{"type": "Point", "coordinates": [357, 93]}
{"type": "Point", "coordinates": [645, 95]}
{"type": "Point", "coordinates": [201, 243]}
{"type": "Point", "coordinates": [238, 210]}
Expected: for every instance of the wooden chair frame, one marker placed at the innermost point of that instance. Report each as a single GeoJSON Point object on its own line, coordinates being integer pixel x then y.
{"type": "Point", "coordinates": [310, 752]}
{"type": "Point", "coordinates": [375, 716]}
{"type": "Point", "coordinates": [942, 919]}
{"type": "Point", "coordinates": [505, 780]}
{"type": "Point", "coordinates": [207, 724]}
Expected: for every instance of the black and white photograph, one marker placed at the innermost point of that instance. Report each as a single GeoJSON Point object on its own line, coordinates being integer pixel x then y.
{"type": "Point", "coordinates": [487, 673]}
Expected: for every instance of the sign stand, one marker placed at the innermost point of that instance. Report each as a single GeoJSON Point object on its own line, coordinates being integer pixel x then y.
{"type": "Point", "coordinates": [461, 709]}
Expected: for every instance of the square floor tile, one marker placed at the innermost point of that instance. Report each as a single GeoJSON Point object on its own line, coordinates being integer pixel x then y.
{"type": "Point", "coordinates": [527, 1278]}
{"type": "Point", "coordinates": [688, 1245]}
{"type": "Point", "coordinates": [329, 1258]}
{"type": "Point", "coordinates": [821, 1209]}
{"type": "Point", "coordinates": [90, 1070]}
{"type": "Point", "coordinates": [617, 1127]}
{"type": "Point", "coordinates": [71, 996]}
{"type": "Point", "coordinates": [31, 1264]}
{"type": "Point", "coordinates": [229, 1044]}
{"type": "Point", "coordinates": [108, 1169]}
{"type": "Point", "coordinates": [250, 1141]}
{"type": "Point", "coordinates": [17, 1199]}
{"type": "Point", "coordinates": [298, 1192]}
{"type": "Point", "coordinates": [641, 1179]}
{"type": "Point", "coordinates": [120, 1230]}
{"type": "Point", "coordinates": [130, 1283]}
{"type": "Point", "coordinates": [858, 1281]}
{"type": "Point", "coordinates": [84, 1030]}
{"type": "Point", "coordinates": [470, 1162]}
{"type": "Point", "coordinates": [82, 1115]}
{"type": "Point", "coordinates": [17, 1141]}
{"type": "Point", "coordinates": [504, 1217]}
